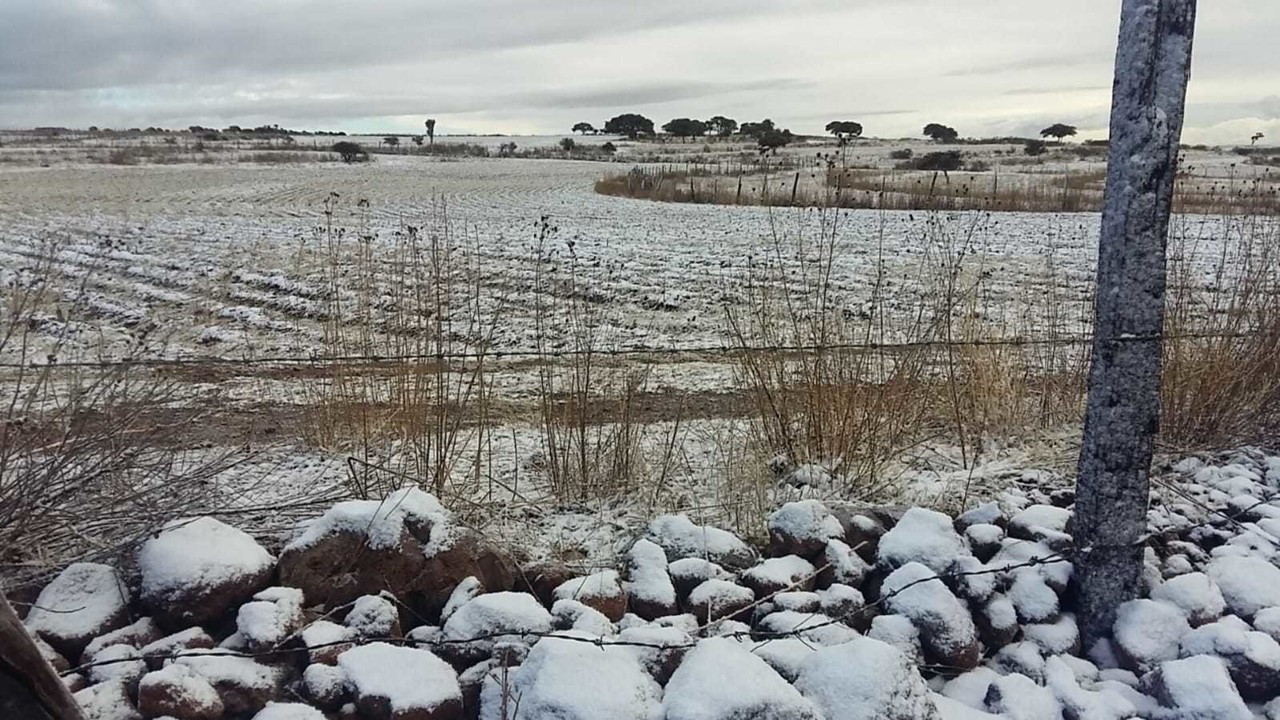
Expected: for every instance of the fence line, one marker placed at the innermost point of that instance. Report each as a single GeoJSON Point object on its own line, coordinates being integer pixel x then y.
{"type": "Point", "coordinates": [726, 350]}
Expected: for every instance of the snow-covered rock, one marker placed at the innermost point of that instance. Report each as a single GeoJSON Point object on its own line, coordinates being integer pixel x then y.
{"type": "Point", "coordinates": [568, 679]}
{"type": "Point", "coordinates": [689, 573]}
{"type": "Point", "coordinates": [373, 616]}
{"type": "Point", "coordinates": [106, 701]}
{"type": "Point", "coordinates": [120, 663]}
{"type": "Point", "coordinates": [243, 684]}
{"type": "Point", "coordinates": [288, 711]}
{"type": "Point", "coordinates": [197, 569]}
{"type": "Point", "coordinates": [1147, 633]}
{"type": "Point", "coordinates": [650, 590]}
{"type": "Point", "coordinates": [157, 653]}
{"type": "Point", "coordinates": [802, 528]}
{"type": "Point", "coordinates": [176, 690]}
{"type": "Point", "coordinates": [491, 616]}
{"type": "Point", "coordinates": [84, 601]}
{"type": "Point", "coordinates": [865, 679]}
{"type": "Point", "coordinates": [1252, 658]}
{"type": "Point", "coordinates": [601, 590]}
{"type": "Point", "coordinates": [720, 680]}
{"type": "Point", "coordinates": [1248, 584]}
{"type": "Point", "coordinates": [811, 627]}
{"type": "Point", "coordinates": [572, 615]}
{"type": "Point", "coordinates": [921, 536]}
{"type": "Point", "coordinates": [326, 686]}
{"type": "Point", "coordinates": [1018, 697]}
{"type": "Point", "coordinates": [901, 633]}
{"type": "Point", "coordinates": [789, 572]}
{"type": "Point", "coordinates": [142, 632]}
{"type": "Point", "coordinates": [1043, 523]}
{"type": "Point", "coordinates": [1193, 593]}
{"type": "Point", "coordinates": [465, 591]}
{"type": "Point", "coordinates": [841, 565]}
{"type": "Point", "coordinates": [1196, 688]}
{"type": "Point", "coordinates": [271, 618]}
{"type": "Point", "coordinates": [716, 599]}
{"type": "Point", "coordinates": [659, 649]}
{"type": "Point", "coordinates": [947, 632]}
{"type": "Point", "coordinates": [392, 682]}
{"type": "Point", "coordinates": [680, 538]}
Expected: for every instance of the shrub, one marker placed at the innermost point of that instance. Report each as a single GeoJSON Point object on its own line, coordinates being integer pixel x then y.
{"type": "Point", "coordinates": [1035, 148]}
{"type": "Point", "coordinates": [350, 152]}
{"type": "Point", "coordinates": [945, 161]}
{"type": "Point", "coordinates": [903, 154]}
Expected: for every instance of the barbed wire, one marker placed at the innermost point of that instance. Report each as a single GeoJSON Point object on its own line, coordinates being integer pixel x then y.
{"type": "Point", "coordinates": [726, 350]}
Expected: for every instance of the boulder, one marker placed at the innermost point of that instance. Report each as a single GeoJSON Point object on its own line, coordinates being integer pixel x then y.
{"type": "Point", "coordinates": [659, 650]}
{"type": "Point", "coordinates": [689, 573]}
{"type": "Point", "coordinates": [141, 633]}
{"type": "Point", "coordinates": [272, 617]}
{"type": "Point", "coordinates": [680, 538]}
{"type": "Point", "coordinates": [1193, 593]}
{"type": "Point", "coordinates": [84, 601]}
{"type": "Point", "coordinates": [1042, 523]}
{"type": "Point", "coordinates": [862, 532]}
{"type": "Point", "coordinates": [997, 622]}
{"type": "Point", "coordinates": [106, 701]}
{"type": "Point", "coordinates": [119, 663]}
{"type": "Point", "coordinates": [717, 599]}
{"type": "Point", "coordinates": [176, 691]}
{"type": "Point", "coordinates": [1196, 687]}
{"type": "Point", "coordinates": [1252, 658]}
{"type": "Point", "coordinates": [602, 591]}
{"type": "Point", "coordinates": [1248, 584]}
{"type": "Point", "coordinates": [243, 684]}
{"type": "Point", "coordinates": [374, 617]}
{"type": "Point", "coordinates": [400, 683]}
{"type": "Point", "coordinates": [650, 591]}
{"type": "Point", "coordinates": [840, 564]}
{"type": "Point", "coordinates": [1147, 633]}
{"type": "Point", "coordinates": [288, 711]}
{"type": "Point", "coordinates": [326, 686]}
{"type": "Point", "coordinates": [159, 652]}
{"type": "Point", "coordinates": [721, 680]}
{"type": "Point", "coordinates": [196, 570]}
{"type": "Point", "coordinates": [947, 632]}
{"type": "Point", "coordinates": [921, 536]}
{"type": "Point", "coordinates": [541, 579]}
{"type": "Point", "coordinates": [778, 574]}
{"type": "Point", "coordinates": [985, 514]}
{"type": "Point", "coordinates": [491, 617]}
{"type": "Point", "coordinates": [865, 679]}
{"type": "Point", "coordinates": [802, 528]}
{"type": "Point", "coordinates": [573, 615]}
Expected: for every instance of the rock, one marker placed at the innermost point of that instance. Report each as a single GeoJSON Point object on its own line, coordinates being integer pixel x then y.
{"type": "Point", "coordinates": [947, 632]}
{"type": "Point", "coordinates": [492, 616]}
{"type": "Point", "coordinates": [141, 633]}
{"type": "Point", "coordinates": [1196, 688]}
{"type": "Point", "coordinates": [196, 570]}
{"type": "Point", "coordinates": [922, 536]}
{"type": "Point", "coordinates": [51, 656]}
{"type": "Point", "coordinates": [1021, 658]}
{"type": "Point", "coordinates": [997, 622]}
{"type": "Point", "coordinates": [158, 652]}
{"type": "Point", "coordinates": [407, 545]}
{"type": "Point", "coordinates": [550, 684]}
{"type": "Point", "coordinates": [243, 684]}
{"type": "Point", "coordinates": [176, 691]}
{"type": "Point", "coordinates": [1268, 621]}
{"type": "Point", "coordinates": [1032, 597]}
{"type": "Point", "coordinates": [325, 640]}
{"type": "Point", "coordinates": [272, 617]}
{"type": "Point", "coordinates": [799, 601]}
{"type": "Point", "coordinates": [1252, 658]}
{"type": "Point", "coordinates": [865, 679]}
{"type": "Point", "coordinates": [374, 617]}
{"type": "Point", "coordinates": [1042, 523]}
{"type": "Point", "coordinates": [984, 540]}
{"type": "Point", "coordinates": [401, 683]}
{"type": "Point", "coordinates": [573, 615]}
{"type": "Point", "coordinates": [802, 528]}
{"type": "Point", "coordinates": [650, 591]}
{"type": "Point", "coordinates": [1146, 633]}
{"type": "Point", "coordinates": [680, 538]}
{"type": "Point", "coordinates": [542, 578]}
{"type": "Point", "coordinates": [602, 591]}
{"type": "Point", "coordinates": [1017, 697]}
{"type": "Point", "coordinates": [121, 663]}
{"type": "Point", "coordinates": [717, 599]}
{"type": "Point", "coordinates": [844, 604]}
{"type": "Point", "coordinates": [659, 650]}
{"type": "Point", "coordinates": [1193, 593]}
{"type": "Point", "coordinates": [1057, 638]}
{"type": "Point", "coordinates": [969, 579]}
{"type": "Point", "coordinates": [970, 689]}
{"type": "Point", "coordinates": [326, 686]}
{"type": "Point", "coordinates": [107, 701]}
{"type": "Point", "coordinates": [841, 565]}
{"type": "Point", "coordinates": [721, 680]}
{"type": "Point", "coordinates": [466, 591]}
{"type": "Point", "coordinates": [790, 572]}
{"type": "Point", "coordinates": [288, 711]}
{"type": "Point", "coordinates": [987, 513]}
{"type": "Point", "coordinates": [689, 573]}
{"type": "Point", "coordinates": [1247, 584]}
{"type": "Point", "coordinates": [900, 632]}
{"type": "Point", "coordinates": [812, 628]}
{"type": "Point", "coordinates": [862, 533]}
{"type": "Point", "coordinates": [84, 601]}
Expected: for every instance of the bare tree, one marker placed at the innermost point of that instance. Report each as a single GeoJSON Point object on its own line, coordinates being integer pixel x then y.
{"type": "Point", "coordinates": [1153, 65]}
{"type": "Point", "coordinates": [431, 130]}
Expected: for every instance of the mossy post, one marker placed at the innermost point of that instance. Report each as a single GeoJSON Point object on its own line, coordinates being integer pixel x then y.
{"type": "Point", "coordinates": [1153, 65]}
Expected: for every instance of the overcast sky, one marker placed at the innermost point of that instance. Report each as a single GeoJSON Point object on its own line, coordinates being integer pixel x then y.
{"type": "Point", "coordinates": [537, 66]}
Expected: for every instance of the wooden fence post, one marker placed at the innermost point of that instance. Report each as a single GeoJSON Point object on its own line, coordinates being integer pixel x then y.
{"type": "Point", "coordinates": [29, 687]}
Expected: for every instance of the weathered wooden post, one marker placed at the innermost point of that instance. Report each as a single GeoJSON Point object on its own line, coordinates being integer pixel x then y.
{"type": "Point", "coordinates": [29, 687]}
{"type": "Point", "coordinates": [1153, 65]}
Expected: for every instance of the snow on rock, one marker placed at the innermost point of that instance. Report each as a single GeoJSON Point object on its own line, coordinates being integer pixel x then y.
{"type": "Point", "coordinates": [373, 616]}
{"type": "Point", "coordinates": [987, 513]}
{"type": "Point", "coordinates": [1248, 584]}
{"type": "Point", "coordinates": [381, 522]}
{"type": "Point", "coordinates": [288, 711]}
{"type": "Point", "coordinates": [1193, 593]}
{"type": "Point", "coordinates": [802, 528]}
{"type": "Point", "coordinates": [720, 680]}
{"type": "Point", "coordinates": [176, 690]}
{"type": "Point", "coordinates": [1057, 638]}
{"type": "Point", "coordinates": [921, 536]}
{"type": "Point", "coordinates": [160, 651]}
{"type": "Point", "coordinates": [393, 682]}
{"type": "Point", "coordinates": [971, 687]}
{"type": "Point", "coordinates": [814, 628]}
{"type": "Point", "coordinates": [680, 538]}
{"type": "Point", "coordinates": [107, 701]}
{"type": "Point", "coordinates": [572, 615]}
{"type": "Point", "coordinates": [466, 591]}
{"type": "Point", "coordinates": [602, 591]}
{"type": "Point", "coordinates": [139, 634]}
{"type": "Point", "coordinates": [1018, 697]}
{"type": "Point", "coordinates": [1146, 633]}
{"type": "Point", "coordinates": [658, 649]}
{"type": "Point", "coordinates": [650, 590]}
{"type": "Point", "coordinates": [784, 655]}
{"type": "Point", "coordinates": [997, 621]}
{"type": "Point", "coordinates": [491, 616]}
{"type": "Point", "coordinates": [119, 663]}
{"type": "Point", "coordinates": [568, 679]}
{"type": "Point", "coordinates": [798, 601]}
{"type": "Point", "coordinates": [1043, 523]}
{"type": "Point", "coordinates": [326, 686]}
{"type": "Point", "coordinates": [900, 632]}
{"type": "Point", "coordinates": [84, 601]}
{"type": "Point", "coordinates": [984, 540]}
{"type": "Point", "coordinates": [1268, 621]}
{"type": "Point", "coordinates": [716, 599]}
{"type": "Point", "coordinates": [949, 709]}
{"type": "Point", "coordinates": [1083, 703]}
{"type": "Point", "coordinates": [196, 570]}
{"type": "Point", "coordinates": [790, 572]}
{"type": "Point", "coordinates": [1196, 688]}
{"type": "Point", "coordinates": [841, 565]}
{"type": "Point", "coordinates": [1032, 597]}
{"type": "Point", "coordinates": [1252, 658]}
{"type": "Point", "coordinates": [865, 679]}
{"type": "Point", "coordinates": [689, 573]}
{"type": "Point", "coordinates": [271, 618]}
{"type": "Point", "coordinates": [947, 633]}
{"type": "Point", "coordinates": [244, 685]}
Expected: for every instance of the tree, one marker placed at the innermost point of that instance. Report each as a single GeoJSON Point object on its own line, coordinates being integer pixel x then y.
{"type": "Point", "coordinates": [391, 141]}
{"type": "Point", "coordinates": [1058, 131]}
{"type": "Point", "coordinates": [417, 140]}
{"type": "Point", "coordinates": [756, 130]}
{"type": "Point", "coordinates": [685, 128]}
{"type": "Point", "coordinates": [722, 126]}
{"type": "Point", "coordinates": [1252, 141]}
{"type": "Point", "coordinates": [629, 124]}
{"type": "Point", "coordinates": [1122, 412]}
{"type": "Point", "coordinates": [941, 133]}
{"type": "Point", "coordinates": [608, 148]}
{"type": "Point", "coordinates": [567, 144]}
{"type": "Point", "coordinates": [507, 149]}
{"type": "Point", "coordinates": [584, 128]}
{"type": "Point", "coordinates": [772, 139]}
{"type": "Point", "coordinates": [431, 130]}
{"type": "Point", "coordinates": [1035, 148]}
{"type": "Point", "coordinates": [350, 152]}
{"type": "Point", "coordinates": [844, 129]}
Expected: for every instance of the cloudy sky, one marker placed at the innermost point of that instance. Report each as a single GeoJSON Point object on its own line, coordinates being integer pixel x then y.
{"type": "Point", "coordinates": [537, 66]}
